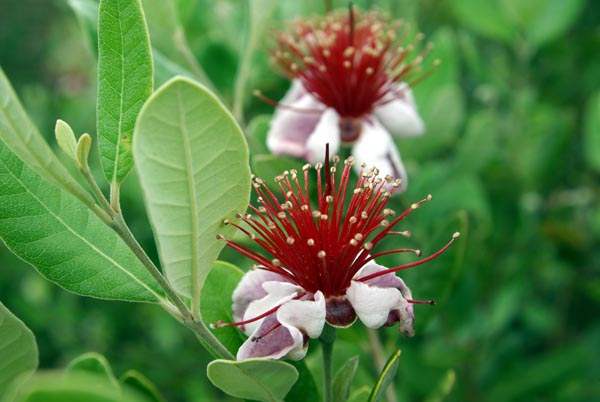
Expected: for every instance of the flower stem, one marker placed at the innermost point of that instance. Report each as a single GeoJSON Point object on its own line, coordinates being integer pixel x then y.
{"type": "Point", "coordinates": [327, 339]}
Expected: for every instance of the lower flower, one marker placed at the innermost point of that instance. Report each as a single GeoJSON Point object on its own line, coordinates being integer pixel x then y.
{"type": "Point", "coordinates": [321, 264]}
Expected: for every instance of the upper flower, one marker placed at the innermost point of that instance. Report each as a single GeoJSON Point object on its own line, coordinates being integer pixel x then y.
{"type": "Point", "coordinates": [320, 261]}
{"type": "Point", "coordinates": [351, 78]}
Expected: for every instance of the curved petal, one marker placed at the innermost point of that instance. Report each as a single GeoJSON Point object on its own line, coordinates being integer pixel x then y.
{"type": "Point", "coordinates": [250, 289]}
{"type": "Point", "coordinates": [273, 340]}
{"type": "Point", "coordinates": [306, 315]}
{"type": "Point", "coordinates": [291, 127]}
{"type": "Point", "coordinates": [384, 281]}
{"type": "Point", "coordinates": [278, 293]}
{"type": "Point", "coordinates": [399, 113]}
{"type": "Point", "coordinates": [295, 92]}
{"type": "Point", "coordinates": [375, 147]}
{"type": "Point", "coordinates": [326, 132]}
{"type": "Point", "coordinates": [373, 304]}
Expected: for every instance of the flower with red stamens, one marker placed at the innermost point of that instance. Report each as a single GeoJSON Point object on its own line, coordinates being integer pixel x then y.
{"type": "Point", "coordinates": [319, 263]}
{"type": "Point", "coordinates": [351, 75]}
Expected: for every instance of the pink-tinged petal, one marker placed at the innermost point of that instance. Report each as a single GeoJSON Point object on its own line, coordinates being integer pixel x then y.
{"type": "Point", "coordinates": [278, 293]}
{"type": "Point", "coordinates": [295, 92]}
{"type": "Point", "coordinates": [399, 113]}
{"type": "Point", "coordinates": [273, 341]}
{"type": "Point", "coordinates": [375, 147]}
{"type": "Point", "coordinates": [291, 127]}
{"type": "Point", "coordinates": [250, 289]}
{"type": "Point", "coordinates": [373, 304]}
{"type": "Point", "coordinates": [306, 315]}
{"type": "Point", "coordinates": [326, 132]}
{"type": "Point", "coordinates": [402, 313]}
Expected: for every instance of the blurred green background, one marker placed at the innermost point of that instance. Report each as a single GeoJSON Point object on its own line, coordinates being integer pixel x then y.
{"type": "Point", "coordinates": [511, 156]}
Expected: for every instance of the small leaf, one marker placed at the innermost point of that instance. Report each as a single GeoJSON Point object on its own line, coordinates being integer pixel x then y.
{"type": "Point", "coordinates": [385, 377]}
{"type": "Point", "coordinates": [342, 381]}
{"type": "Point", "coordinates": [360, 395]}
{"type": "Point", "coordinates": [20, 135]}
{"type": "Point", "coordinates": [443, 388]}
{"type": "Point", "coordinates": [554, 17]}
{"type": "Point", "coordinates": [192, 160]}
{"type": "Point", "coordinates": [125, 75]}
{"type": "Point", "coordinates": [66, 139]}
{"type": "Point", "coordinates": [64, 240]}
{"type": "Point", "coordinates": [84, 144]}
{"type": "Point", "coordinates": [137, 381]}
{"type": "Point", "coordinates": [75, 387]}
{"type": "Point", "coordinates": [216, 303]}
{"type": "Point", "coordinates": [255, 379]}
{"type": "Point", "coordinates": [18, 352]}
{"type": "Point", "coordinates": [93, 363]}
{"type": "Point", "coordinates": [485, 17]}
{"type": "Point", "coordinates": [305, 389]}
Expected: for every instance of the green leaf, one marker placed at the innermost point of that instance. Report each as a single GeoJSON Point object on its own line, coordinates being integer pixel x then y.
{"type": "Point", "coordinates": [443, 388]}
{"type": "Point", "coordinates": [360, 395]}
{"type": "Point", "coordinates": [18, 352]}
{"type": "Point", "coordinates": [125, 76]}
{"type": "Point", "coordinates": [268, 167]}
{"type": "Point", "coordinates": [385, 377]}
{"type": "Point", "coordinates": [553, 18]}
{"type": "Point", "coordinates": [591, 132]}
{"type": "Point", "coordinates": [87, 15]}
{"type": "Point", "coordinates": [93, 363]}
{"type": "Point", "coordinates": [75, 387]}
{"type": "Point", "coordinates": [136, 380]}
{"type": "Point", "coordinates": [255, 379]}
{"type": "Point", "coordinates": [216, 303]}
{"type": "Point", "coordinates": [192, 160]}
{"type": "Point", "coordinates": [63, 240]}
{"type": "Point", "coordinates": [342, 381]}
{"type": "Point", "coordinates": [66, 139]}
{"type": "Point", "coordinates": [20, 135]}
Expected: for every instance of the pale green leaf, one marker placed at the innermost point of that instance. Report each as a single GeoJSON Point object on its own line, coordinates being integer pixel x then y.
{"type": "Point", "coordinates": [75, 387]}
{"type": "Point", "coordinates": [96, 364]}
{"type": "Point", "coordinates": [385, 377]}
{"type": "Point", "coordinates": [20, 135]}
{"type": "Point", "coordinates": [66, 139]}
{"type": "Point", "coordinates": [443, 388]}
{"type": "Point", "coordinates": [342, 381]}
{"type": "Point", "coordinates": [63, 240]}
{"type": "Point", "coordinates": [192, 160]}
{"type": "Point", "coordinates": [18, 352]}
{"type": "Point", "coordinates": [553, 18]}
{"type": "Point", "coordinates": [255, 379]}
{"type": "Point", "coordinates": [216, 303]}
{"type": "Point", "coordinates": [360, 395]}
{"type": "Point", "coordinates": [125, 75]}
{"type": "Point", "coordinates": [591, 132]}
{"type": "Point", "coordinates": [136, 380]}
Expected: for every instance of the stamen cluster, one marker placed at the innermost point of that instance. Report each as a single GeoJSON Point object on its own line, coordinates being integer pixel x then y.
{"type": "Point", "coordinates": [351, 61]}
{"type": "Point", "coordinates": [322, 246]}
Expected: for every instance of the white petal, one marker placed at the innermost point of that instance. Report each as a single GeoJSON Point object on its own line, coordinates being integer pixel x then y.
{"type": "Point", "coordinates": [306, 315]}
{"type": "Point", "coordinates": [295, 92]}
{"type": "Point", "coordinates": [250, 289]}
{"type": "Point", "coordinates": [389, 280]}
{"type": "Point", "coordinates": [278, 293]}
{"type": "Point", "coordinates": [373, 304]}
{"type": "Point", "coordinates": [400, 115]}
{"type": "Point", "coordinates": [326, 132]}
{"type": "Point", "coordinates": [375, 147]}
{"type": "Point", "coordinates": [291, 127]}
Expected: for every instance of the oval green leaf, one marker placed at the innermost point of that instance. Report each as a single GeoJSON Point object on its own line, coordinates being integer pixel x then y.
{"type": "Point", "coordinates": [136, 380]}
{"type": "Point", "coordinates": [385, 377]}
{"type": "Point", "coordinates": [192, 160]}
{"type": "Point", "coordinates": [216, 303]}
{"type": "Point", "coordinates": [64, 240]}
{"type": "Point", "coordinates": [255, 379]}
{"type": "Point", "coordinates": [342, 381]}
{"type": "Point", "coordinates": [18, 352]}
{"type": "Point", "coordinates": [125, 75]}
{"type": "Point", "coordinates": [93, 363]}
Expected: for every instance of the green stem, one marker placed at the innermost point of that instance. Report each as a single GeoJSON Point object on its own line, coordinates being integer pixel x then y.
{"type": "Point", "coordinates": [327, 339]}
{"type": "Point", "coordinates": [378, 353]}
{"type": "Point", "coordinates": [244, 69]}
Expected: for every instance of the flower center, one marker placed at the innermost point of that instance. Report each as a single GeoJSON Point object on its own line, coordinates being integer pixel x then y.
{"type": "Point", "coordinates": [350, 129]}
